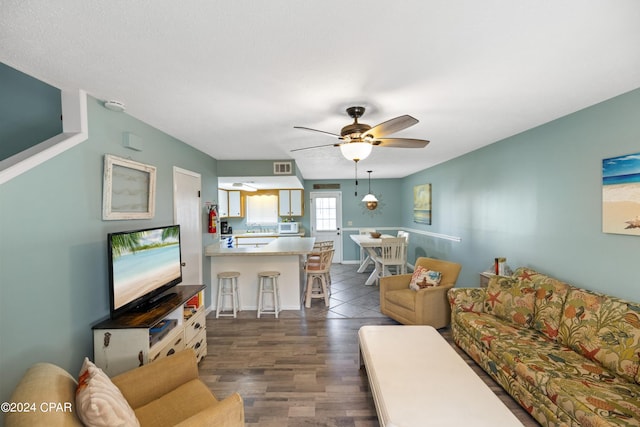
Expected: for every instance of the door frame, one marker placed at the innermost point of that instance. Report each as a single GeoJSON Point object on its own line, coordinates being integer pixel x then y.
{"type": "Point", "coordinates": [338, 240]}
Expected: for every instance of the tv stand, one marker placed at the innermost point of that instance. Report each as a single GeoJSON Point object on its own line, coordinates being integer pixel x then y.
{"type": "Point", "coordinates": [172, 322]}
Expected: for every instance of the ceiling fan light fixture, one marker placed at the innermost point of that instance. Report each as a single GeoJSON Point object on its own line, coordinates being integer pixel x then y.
{"type": "Point", "coordinates": [356, 151]}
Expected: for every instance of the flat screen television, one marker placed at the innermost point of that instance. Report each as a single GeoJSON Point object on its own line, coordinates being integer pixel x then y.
{"type": "Point", "coordinates": [143, 265]}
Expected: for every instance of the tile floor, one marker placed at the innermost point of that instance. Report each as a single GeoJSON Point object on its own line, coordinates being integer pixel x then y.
{"type": "Point", "coordinates": [350, 298]}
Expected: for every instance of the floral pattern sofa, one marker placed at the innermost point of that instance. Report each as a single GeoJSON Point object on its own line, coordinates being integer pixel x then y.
{"type": "Point", "coordinates": [569, 356]}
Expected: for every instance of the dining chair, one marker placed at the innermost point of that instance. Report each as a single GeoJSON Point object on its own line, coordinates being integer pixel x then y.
{"type": "Point", "coordinates": [393, 252]}
{"type": "Point", "coordinates": [363, 231]}
{"type": "Point", "coordinates": [404, 234]}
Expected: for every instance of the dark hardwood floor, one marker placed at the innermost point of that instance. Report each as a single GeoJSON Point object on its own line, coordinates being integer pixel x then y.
{"type": "Point", "coordinates": [303, 368]}
{"type": "Point", "coordinates": [301, 372]}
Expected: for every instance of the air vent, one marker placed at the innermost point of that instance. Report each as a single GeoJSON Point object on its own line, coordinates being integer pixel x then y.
{"type": "Point", "coordinates": [326, 186]}
{"type": "Point", "coordinates": [282, 168]}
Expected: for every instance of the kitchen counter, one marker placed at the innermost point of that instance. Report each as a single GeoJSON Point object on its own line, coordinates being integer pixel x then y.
{"type": "Point", "coordinates": [267, 234]}
{"type": "Point", "coordinates": [284, 254]}
{"type": "Point", "coordinates": [280, 246]}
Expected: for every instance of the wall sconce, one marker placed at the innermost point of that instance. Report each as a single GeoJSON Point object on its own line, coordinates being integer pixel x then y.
{"type": "Point", "coordinates": [370, 199]}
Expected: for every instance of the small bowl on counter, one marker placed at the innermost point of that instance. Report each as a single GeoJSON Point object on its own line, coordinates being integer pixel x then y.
{"type": "Point", "coordinates": [375, 234]}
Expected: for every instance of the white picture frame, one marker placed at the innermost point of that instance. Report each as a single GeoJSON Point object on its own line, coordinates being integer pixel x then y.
{"type": "Point", "coordinates": [129, 189]}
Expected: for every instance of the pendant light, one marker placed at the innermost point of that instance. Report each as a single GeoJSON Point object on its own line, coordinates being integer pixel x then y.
{"type": "Point", "coordinates": [370, 199]}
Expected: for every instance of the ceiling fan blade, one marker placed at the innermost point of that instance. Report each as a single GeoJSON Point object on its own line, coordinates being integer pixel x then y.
{"type": "Point", "coordinates": [316, 130]}
{"type": "Point", "coordinates": [392, 126]}
{"type": "Point", "coordinates": [315, 146]}
{"type": "Point", "coordinates": [401, 142]}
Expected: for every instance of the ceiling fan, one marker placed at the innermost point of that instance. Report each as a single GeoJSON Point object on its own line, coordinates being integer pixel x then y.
{"type": "Point", "coordinates": [358, 139]}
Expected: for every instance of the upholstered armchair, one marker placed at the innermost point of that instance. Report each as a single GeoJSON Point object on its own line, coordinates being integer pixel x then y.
{"type": "Point", "coordinates": [428, 306]}
{"type": "Point", "coordinates": [167, 392]}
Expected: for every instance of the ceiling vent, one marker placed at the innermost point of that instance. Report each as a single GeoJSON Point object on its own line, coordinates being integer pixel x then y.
{"type": "Point", "coordinates": [282, 168]}
{"type": "Point", "coordinates": [326, 186]}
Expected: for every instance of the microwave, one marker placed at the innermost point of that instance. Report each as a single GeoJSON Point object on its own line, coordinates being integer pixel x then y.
{"type": "Point", "coordinates": [288, 227]}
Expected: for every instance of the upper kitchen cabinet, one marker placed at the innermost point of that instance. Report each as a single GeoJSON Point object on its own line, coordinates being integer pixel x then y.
{"type": "Point", "coordinates": [230, 204]}
{"type": "Point", "coordinates": [291, 203]}
{"type": "Point", "coordinates": [236, 207]}
{"type": "Point", "coordinates": [223, 203]}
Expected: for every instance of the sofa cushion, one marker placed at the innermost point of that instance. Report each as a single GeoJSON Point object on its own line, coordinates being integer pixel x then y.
{"type": "Point", "coordinates": [424, 278]}
{"type": "Point", "coordinates": [404, 298]}
{"type": "Point", "coordinates": [549, 300]}
{"type": "Point", "coordinates": [604, 329]}
{"type": "Point", "coordinates": [511, 300]}
{"type": "Point", "coordinates": [464, 300]}
{"type": "Point", "coordinates": [486, 329]}
{"type": "Point", "coordinates": [99, 402]}
{"type": "Point", "coordinates": [592, 403]}
{"type": "Point", "coordinates": [177, 405]}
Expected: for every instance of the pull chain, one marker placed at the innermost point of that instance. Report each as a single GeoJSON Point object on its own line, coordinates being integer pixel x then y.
{"type": "Point", "coordinates": [356, 162]}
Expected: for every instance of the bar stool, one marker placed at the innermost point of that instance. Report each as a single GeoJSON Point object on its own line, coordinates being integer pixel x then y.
{"type": "Point", "coordinates": [268, 284]}
{"type": "Point", "coordinates": [319, 279]}
{"type": "Point", "coordinates": [228, 286]}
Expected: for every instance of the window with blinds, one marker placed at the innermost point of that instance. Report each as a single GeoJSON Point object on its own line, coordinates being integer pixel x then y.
{"type": "Point", "coordinates": [262, 209]}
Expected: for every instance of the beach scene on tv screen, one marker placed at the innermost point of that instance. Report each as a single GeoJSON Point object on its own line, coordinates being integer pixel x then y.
{"type": "Point", "coordinates": [144, 261]}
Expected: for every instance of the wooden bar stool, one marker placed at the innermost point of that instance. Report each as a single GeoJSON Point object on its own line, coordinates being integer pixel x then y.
{"type": "Point", "coordinates": [268, 284]}
{"type": "Point", "coordinates": [319, 279]}
{"type": "Point", "coordinates": [228, 286]}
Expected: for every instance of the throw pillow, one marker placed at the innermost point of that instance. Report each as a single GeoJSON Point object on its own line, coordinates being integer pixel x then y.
{"type": "Point", "coordinates": [424, 278]}
{"type": "Point", "coordinates": [99, 402]}
{"type": "Point", "coordinates": [511, 300]}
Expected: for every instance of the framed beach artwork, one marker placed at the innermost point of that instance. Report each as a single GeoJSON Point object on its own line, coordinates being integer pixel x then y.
{"type": "Point", "coordinates": [422, 204]}
{"type": "Point", "coordinates": [621, 195]}
{"type": "Point", "coordinates": [129, 188]}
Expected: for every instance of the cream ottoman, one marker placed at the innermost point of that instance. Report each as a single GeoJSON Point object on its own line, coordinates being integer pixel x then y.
{"type": "Point", "coordinates": [417, 379]}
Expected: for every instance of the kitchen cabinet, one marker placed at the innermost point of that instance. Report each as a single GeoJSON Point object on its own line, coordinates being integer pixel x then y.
{"type": "Point", "coordinates": [290, 203]}
{"type": "Point", "coordinates": [236, 207]}
{"type": "Point", "coordinates": [223, 203]}
{"type": "Point", "coordinates": [230, 204]}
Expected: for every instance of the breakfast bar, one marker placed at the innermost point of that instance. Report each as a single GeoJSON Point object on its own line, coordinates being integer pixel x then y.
{"type": "Point", "coordinates": [284, 254]}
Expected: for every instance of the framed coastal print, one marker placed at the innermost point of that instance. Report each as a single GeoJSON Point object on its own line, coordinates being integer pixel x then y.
{"type": "Point", "coordinates": [129, 188]}
{"type": "Point", "coordinates": [621, 195]}
{"type": "Point", "coordinates": [422, 204]}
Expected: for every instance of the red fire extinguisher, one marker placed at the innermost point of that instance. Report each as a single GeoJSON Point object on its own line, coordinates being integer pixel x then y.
{"type": "Point", "coordinates": [212, 220]}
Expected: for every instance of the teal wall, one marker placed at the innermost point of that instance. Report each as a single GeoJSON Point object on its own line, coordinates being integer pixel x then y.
{"type": "Point", "coordinates": [29, 111]}
{"type": "Point", "coordinates": [355, 214]}
{"type": "Point", "coordinates": [53, 241]}
{"type": "Point", "coordinates": [535, 198]}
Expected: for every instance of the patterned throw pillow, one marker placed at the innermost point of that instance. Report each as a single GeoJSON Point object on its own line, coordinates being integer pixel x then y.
{"type": "Point", "coordinates": [604, 329]}
{"type": "Point", "coordinates": [550, 297]}
{"type": "Point", "coordinates": [511, 300]}
{"type": "Point", "coordinates": [99, 402]}
{"type": "Point", "coordinates": [424, 278]}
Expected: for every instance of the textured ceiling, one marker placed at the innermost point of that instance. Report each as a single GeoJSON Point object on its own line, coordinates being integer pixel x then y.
{"type": "Point", "coordinates": [233, 78]}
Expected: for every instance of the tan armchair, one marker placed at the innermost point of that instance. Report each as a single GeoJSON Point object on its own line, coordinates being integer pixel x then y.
{"type": "Point", "coordinates": [428, 306]}
{"type": "Point", "coordinates": [167, 392]}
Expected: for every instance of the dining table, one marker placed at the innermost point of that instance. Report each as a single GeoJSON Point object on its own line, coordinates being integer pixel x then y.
{"type": "Point", "coordinates": [371, 246]}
